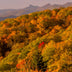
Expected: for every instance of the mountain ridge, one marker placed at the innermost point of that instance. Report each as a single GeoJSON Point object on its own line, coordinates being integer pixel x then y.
{"type": "Point", "coordinates": [31, 8]}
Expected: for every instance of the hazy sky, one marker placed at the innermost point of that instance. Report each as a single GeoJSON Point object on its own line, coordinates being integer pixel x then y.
{"type": "Point", "coordinates": [17, 4]}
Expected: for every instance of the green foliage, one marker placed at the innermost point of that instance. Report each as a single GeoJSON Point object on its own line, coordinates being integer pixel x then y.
{"type": "Point", "coordinates": [24, 52]}
{"type": "Point", "coordinates": [5, 67]}
{"type": "Point", "coordinates": [48, 53]}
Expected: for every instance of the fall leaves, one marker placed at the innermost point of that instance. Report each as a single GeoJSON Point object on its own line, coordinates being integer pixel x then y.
{"type": "Point", "coordinates": [41, 37]}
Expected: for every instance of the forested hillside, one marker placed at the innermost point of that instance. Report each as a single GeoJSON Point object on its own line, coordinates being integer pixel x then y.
{"type": "Point", "coordinates": [37, 42]}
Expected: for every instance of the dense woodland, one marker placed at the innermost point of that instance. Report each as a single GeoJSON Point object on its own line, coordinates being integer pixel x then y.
{"type": "Point", "coordinates": [37, 42]}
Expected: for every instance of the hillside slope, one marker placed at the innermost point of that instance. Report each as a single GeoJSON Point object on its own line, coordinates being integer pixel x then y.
{"type": "Point", "coordinates": [37, 42]}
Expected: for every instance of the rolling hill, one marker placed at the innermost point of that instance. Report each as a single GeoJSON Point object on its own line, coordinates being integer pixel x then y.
{"type": "Point", "coordinates": [37, 42]}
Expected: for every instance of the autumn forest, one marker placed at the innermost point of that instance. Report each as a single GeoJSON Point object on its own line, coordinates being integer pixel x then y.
{"type": "Point", "coordinates": [37, 42]}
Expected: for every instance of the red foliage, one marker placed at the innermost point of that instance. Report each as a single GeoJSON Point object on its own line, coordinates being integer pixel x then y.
{"type": "Point", "coordinates": [41, 44]}
{"type": "Point", "coordinates": [18, 53]}
{"type": "Point", "coordinates": [18, 66]}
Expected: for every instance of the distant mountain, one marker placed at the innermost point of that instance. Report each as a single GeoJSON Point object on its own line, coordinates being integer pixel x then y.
{"type": "Point", "coordinates": [7, 13]}
{"type": "Point", "coordinates": [49, 6]}
{"type": "Point", "coordinates": [3, 18]}
{"type": "Point", "coordinates": [18, 12]}
{"type": "Point", "coordinates": [68, 4]}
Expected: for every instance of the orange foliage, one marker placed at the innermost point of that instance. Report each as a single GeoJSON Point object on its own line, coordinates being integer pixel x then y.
{"type": "Point", "coordinates": [1, 57]}
{"type": "Point", "coordinates": [53, 13]}
{"type": "Point", "coordinates": [18, 53]}
{"type": "Point", "coordinates": [4, 36]}
{"type": "Point", "coordinates": [3, 26]}
{"type": "Point", "coordinates": [21, 64]}
{"type": "Point", "coordinates": [13, 33]}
